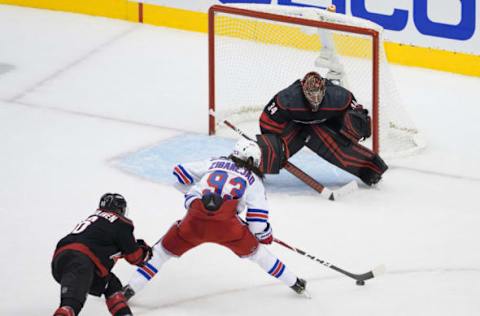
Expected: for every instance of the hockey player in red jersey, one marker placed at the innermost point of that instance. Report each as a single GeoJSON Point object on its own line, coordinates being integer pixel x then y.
{"type": "Point", "coordinates": [217, 191]}
{"type": "Point", "coordinates": [83, 259]}
{"type": "Point", "coordinates": [325, 117]}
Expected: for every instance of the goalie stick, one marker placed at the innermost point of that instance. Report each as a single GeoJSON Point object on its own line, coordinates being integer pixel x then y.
{"type": "Point", "coordinates": [360, 278]}
{"type": "Point", "coordinates": [330, 194]}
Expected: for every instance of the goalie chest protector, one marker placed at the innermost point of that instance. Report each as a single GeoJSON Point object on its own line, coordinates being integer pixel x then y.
{"type": "Point", "coordinates": [291, 100]}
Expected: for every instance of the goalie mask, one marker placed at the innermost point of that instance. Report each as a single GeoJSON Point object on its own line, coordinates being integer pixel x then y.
{"type": "Point", "coordinates": [113, 202]}
{"type": "Point", "coordinates": [247, 150]}
{"type": "Point", "coordinates": [313, 86]}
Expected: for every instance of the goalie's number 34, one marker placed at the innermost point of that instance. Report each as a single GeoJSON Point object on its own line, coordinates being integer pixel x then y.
{"type": "Point", "coordinates": [272, 108]}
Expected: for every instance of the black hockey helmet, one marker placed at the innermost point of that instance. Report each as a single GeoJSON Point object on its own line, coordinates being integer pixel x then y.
{"type": "Point", "coordinates": [113, 202]}
{"type": "Point", "coordinates": [313, 86]}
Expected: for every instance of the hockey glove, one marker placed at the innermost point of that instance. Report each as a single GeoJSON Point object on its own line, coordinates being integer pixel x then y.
{"type": "Point", "coordinates": [265, 237]}
{"type": "Point", "coordinates": [356, 124]}
{"type": "Point", "coordinates": [147, 250]}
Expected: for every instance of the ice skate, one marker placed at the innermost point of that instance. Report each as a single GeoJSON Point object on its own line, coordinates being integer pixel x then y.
{"type": "Point", "coordinates": [300, 287]}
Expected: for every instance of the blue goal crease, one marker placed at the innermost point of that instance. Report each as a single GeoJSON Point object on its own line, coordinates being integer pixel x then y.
{"type": "Point", "coordinates": [155, 163]}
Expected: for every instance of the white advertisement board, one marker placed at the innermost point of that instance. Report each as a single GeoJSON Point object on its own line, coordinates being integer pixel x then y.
{"type": "Point", "coordinates": [443, 24]}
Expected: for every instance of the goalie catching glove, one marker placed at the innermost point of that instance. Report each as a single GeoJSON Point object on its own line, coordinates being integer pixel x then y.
{"type": "Point", "coordinates": [265, 237]}
{"type": "Point", "coordinates": [356, 124]}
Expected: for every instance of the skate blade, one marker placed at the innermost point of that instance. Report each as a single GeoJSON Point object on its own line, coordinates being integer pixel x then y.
{"type": "Point", "coordinates": [306, 294]}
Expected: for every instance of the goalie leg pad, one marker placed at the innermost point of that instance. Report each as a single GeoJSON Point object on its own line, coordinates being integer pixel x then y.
{"type": "Point", "coordinates": [349, 156]}
{"type": "Point", "coordinates": [273, 155]}
{"type": "Point", "coordinates": [294, 137]}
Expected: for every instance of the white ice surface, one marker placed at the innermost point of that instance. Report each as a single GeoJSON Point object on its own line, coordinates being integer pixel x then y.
{"type": "Point", "coordinates": [85, 90]}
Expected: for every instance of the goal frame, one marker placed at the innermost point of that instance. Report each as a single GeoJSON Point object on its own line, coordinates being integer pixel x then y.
{"type": "Point", "coordinates": [374, 34]}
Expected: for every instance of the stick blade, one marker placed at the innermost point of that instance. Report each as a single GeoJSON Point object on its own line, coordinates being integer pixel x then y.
{"type": "Point", "coordinates": [347, 189]}
{"type": "Point", "coordinates": [328, 194]}
{"type": "Point", "coordinates": [306, 294]}
{"type": "Point", "coordinates": [380, 270]}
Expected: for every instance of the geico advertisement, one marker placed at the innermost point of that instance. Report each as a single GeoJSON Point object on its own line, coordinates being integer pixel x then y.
{"type": "Point", "coordinates": [445, 24]}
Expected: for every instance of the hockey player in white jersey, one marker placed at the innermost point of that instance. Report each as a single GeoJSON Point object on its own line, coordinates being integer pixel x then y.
{"type": "Point", "coordinates": [218, 191]}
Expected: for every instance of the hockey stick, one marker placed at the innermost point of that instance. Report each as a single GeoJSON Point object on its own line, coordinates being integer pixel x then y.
{"type": "Point", "coordinates": [305, 178]}
{"type": "Point", "coordinates": [360, 278]}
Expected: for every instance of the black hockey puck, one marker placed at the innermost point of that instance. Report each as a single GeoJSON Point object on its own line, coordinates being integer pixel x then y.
{"type": "Point", "coordinates": [360, 282]}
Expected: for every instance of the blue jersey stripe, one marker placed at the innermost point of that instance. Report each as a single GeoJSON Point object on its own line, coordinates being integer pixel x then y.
{"type": "Point", "coordinates": [261, 220]}
{"type": "Point", "coordinates": [189, 199]}
{"type": "Point", "coordinates": [151, 267]}
{"type": "Point", "coordinates": [186, 173]}
{"type": "Point", "coordinates": [178, 178]}
{"type": "Point", "coordinates": [274, 266]}
{"type": "Point", "coordinates": [279, 274]}
{"type": "Point", "coordinates": [145, 274]}
{"type": "Point", "coordinates": [255, 210]}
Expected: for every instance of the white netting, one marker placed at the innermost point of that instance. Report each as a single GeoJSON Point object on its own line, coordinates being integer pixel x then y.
{"type": "Point", "coordinates": [255, 58]}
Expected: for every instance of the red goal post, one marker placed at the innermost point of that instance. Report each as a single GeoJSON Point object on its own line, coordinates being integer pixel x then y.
{"type": "Point", "coordinates": [247, 17]}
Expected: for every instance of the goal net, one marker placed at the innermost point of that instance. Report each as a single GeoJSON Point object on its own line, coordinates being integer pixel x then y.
{"type": "Point", "coordinates": [257, 50]}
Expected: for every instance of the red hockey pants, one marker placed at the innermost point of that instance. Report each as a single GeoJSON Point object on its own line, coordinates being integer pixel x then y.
{"type": "Point", "coordinates": [200, 226]}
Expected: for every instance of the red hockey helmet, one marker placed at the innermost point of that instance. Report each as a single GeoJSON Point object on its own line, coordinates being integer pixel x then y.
{"type": "Point", "coordinates": [313, 86]}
